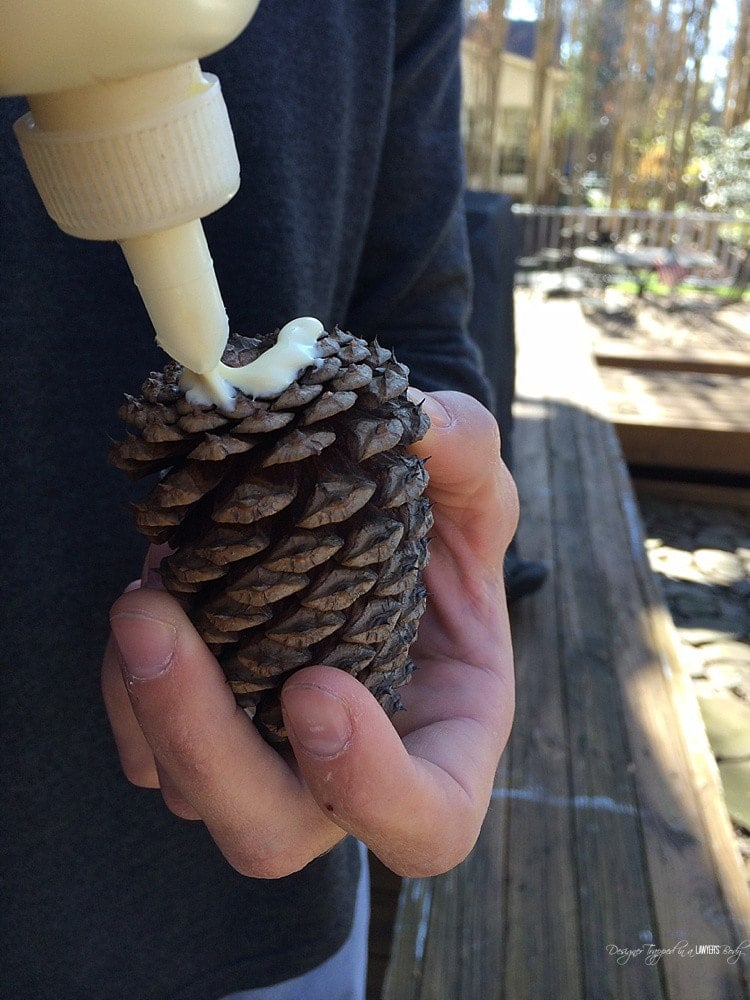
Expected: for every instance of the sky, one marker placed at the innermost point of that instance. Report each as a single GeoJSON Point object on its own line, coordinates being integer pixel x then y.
{"type": "Point", "coordinates": [723, 27]}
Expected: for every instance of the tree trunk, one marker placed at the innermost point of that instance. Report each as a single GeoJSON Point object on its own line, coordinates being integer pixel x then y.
{"type": "Point", "coordinates": [737, 101]}
{"type": "Point", "coordinates": [674, 105]}
{"type": "Point", "coordinates": [544, 58]}
{"type": "Point", "coordinates": [585, 32]}
{"type": "Point", "coordinates": [679, 158]}
{"type": "Point", "coordinates": [640, 128]}
{"type": "Point", "coordinates": [625, 105]}
{"type": "Point", "coordinates": [700, 45]}
{"type": "Point", "coordinates": [497, 34]}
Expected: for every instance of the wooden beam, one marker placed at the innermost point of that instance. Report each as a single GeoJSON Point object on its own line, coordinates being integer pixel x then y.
{"type": "Point", "coordinates": [676, 490]}
{"type": "Point", "coordinates": [696, 449]}
{"type": "Point", "coordinates": [625, 355]}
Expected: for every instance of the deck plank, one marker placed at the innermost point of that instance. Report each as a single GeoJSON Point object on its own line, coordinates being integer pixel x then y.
{"type": "Point", "coordinates": [678, 399]}
{"type": "Point", "coordinates": [543, 929]}
{"type": "Point", "coordinates": [612, 884]}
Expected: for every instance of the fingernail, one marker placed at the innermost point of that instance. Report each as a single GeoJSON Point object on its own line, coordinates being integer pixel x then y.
{"type": "Point", "coordinates": [151, 575]}
{"type": "Point", "coordinates": [319, 720]}
{"type": "Point", "coordinates": [146, 645]}
{"type": "Point", "coordinates": [439, 416]}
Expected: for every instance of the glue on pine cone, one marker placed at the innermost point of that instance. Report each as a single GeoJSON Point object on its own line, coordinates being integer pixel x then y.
{"type": "Point", "coordinates": [298, 523]}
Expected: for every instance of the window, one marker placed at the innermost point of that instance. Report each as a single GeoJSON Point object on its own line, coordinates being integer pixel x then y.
{"type": "Point", "coordinates": [514, 137]}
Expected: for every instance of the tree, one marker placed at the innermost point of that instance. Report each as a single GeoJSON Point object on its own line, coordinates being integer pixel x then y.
{"type": "Point", "coordinates": [727, 169]}
{"type": "Point", "coordinates": [698, 46]}
{"type": "Point", "coordinates": [626, 103]}
{"type": "Point", "coordinates": [636, 91]}
{"type": "Point", "coordinates": [545, 57]}
{"type": "Point", "coordinates": [580, 114]}
{"type": "Point", "coordinates": [671, 84]}
{"type": "Point", "coordinates": [737, 101]}
{"type": "Point", "coordinates": [498, 32]}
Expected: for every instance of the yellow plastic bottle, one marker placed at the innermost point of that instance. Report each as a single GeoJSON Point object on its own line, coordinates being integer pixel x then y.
{"type": "Point", "coordinates": [127, 139]}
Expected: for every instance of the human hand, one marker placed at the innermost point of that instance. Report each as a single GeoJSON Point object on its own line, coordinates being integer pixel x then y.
{"type": "Point", "coordinates": [414, 789]}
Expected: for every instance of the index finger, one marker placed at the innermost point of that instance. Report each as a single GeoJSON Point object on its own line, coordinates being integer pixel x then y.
{"type": "Point", "coordinates": [257, 809]}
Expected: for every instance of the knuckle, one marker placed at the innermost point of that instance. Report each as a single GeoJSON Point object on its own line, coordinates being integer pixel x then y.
{"type": "Point", "coordinates": [422, 864]}
{"type": "Point", "coordinates": [274, 855]}
{"type": "Point", "coordinates": [254, 862]}
{"type": "Point", "coordinates": [424, 855]}
{"type": "Point", "coordinates": [142, 776]}
{"type": "Point", "coordinates": [177, 804]}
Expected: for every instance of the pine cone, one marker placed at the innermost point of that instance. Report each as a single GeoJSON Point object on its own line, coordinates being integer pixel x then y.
{"type": "Point", "coordinates": [298, 523]}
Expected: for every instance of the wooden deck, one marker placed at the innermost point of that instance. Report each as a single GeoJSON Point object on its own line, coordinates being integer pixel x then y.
{"type": "Point", "coordinates": [682, 414]}
{"type": "Point", "coordinates": [607, 839]}
{"type": "Point", "coordinates": [679, 396]}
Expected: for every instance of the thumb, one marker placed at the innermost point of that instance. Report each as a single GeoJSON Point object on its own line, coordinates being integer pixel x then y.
{"type": "Point", "coordinates": [362, 776]}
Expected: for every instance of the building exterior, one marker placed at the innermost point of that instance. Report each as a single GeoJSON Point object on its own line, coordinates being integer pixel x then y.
{"type": "Point", "coordinates": [498, 102]}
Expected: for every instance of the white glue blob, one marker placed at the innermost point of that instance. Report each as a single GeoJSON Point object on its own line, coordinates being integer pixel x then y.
{"type": "Point", "coordinates": [268, 375]}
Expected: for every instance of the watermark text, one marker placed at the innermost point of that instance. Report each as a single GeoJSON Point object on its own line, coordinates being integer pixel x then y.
{"type": "Point", "coordinates": [650, 954]}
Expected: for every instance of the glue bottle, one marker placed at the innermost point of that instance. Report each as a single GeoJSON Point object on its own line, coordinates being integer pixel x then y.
{"type": "Point", "coordinates": [127, 139]}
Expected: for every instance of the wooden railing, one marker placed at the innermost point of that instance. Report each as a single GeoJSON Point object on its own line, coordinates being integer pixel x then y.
{"type": "Point", "coordinates": [725, 237]}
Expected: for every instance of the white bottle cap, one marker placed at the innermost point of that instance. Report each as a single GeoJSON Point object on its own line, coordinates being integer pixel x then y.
{"type": "Point", "coordinates": [136, 178]}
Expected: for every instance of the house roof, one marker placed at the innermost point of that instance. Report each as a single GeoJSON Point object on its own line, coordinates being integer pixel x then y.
{"type": "Point", "coordinates": [521, 38]}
